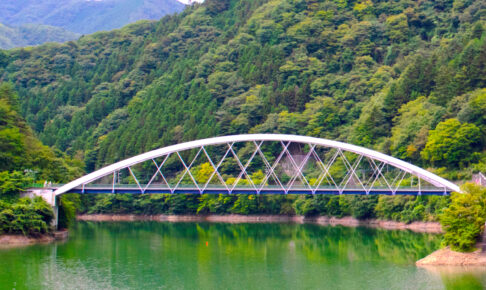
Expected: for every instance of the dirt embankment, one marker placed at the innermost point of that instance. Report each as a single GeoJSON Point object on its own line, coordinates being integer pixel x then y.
{"type": "Point", "coordinates": [428, 227]}
{"type": "Point", "coordinates": [11, 241]}
{"type": "Point", "coordinates": [447, 257]}
{"type": "Point", "coordinates": [190, 218]}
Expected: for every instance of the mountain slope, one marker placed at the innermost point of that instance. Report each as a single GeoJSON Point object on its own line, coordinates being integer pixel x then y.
{"type": "Point", "coordinates": [31, 34]}
{"type": "Point", "coordinates": [85, 16]}
{"type": "Point", "coordinates": [20, 150]}
{"type": "Point", "coordinates": [402, 77]}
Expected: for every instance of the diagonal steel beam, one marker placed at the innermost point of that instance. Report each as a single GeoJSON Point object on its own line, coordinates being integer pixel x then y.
{"type": "Point", "coordinates": [215, 168]}
{"type": "Point", "coordinates": [157, 171]}
{"type": "Point", "coordinates": [187, 171]}
{"type": "Point", "coordinates": [304, 162]}
{"type": "Point", "coordinates": [403, 173]}
{"type": "Point", "coordinates": [136, 180]}
{"type": "Point", "coordinates": [243, 168]}
{"type": "Point", "coordinates": [379, 172]}
{"type": "Point", "coordinates": [296, 166]}
{"type": "Point", "coordinates": [375, 176]}
{"type": "Point", "coordinates": [326, 170]}
{"type": "Point", "coordinates": [270, 169]}
{"type": "Point", "coordinates": [352, 170]}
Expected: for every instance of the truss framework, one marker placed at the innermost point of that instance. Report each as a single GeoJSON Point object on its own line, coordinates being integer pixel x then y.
{"type": "Point", "coordinates": [320, 165]}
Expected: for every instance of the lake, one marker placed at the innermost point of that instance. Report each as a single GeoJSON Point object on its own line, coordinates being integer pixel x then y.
{"type": "Point", "coordinates": [157, 255]}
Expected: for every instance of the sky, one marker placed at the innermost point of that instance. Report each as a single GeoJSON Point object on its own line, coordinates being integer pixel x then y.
{"type": "Point", "coordinates": [190, 1]}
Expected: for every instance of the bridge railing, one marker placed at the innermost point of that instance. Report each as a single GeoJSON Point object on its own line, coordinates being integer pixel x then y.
{"type": "Point", "coordinates": [214, 189]}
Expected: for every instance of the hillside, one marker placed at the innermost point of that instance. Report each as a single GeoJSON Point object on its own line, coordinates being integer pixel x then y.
{"type": "Point", "coordinates": [31, 34]}
{"type": "Point", "coordinates": [84, 16]}
{"type": "Point", "coordinates": [404, 77]}
{"type": "Point", "coordinates": [21, 151]}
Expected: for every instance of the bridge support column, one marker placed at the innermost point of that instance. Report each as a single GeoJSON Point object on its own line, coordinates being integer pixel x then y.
{"type": "Point", "coordinates": [55, 221]}
{"type": "Point", "coordinates": [483, 240]}
{"type": "Point", "coordinates": [48, 195]}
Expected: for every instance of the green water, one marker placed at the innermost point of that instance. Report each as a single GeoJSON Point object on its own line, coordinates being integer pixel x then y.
{"type": "Point", "coordinates": [151, 255]}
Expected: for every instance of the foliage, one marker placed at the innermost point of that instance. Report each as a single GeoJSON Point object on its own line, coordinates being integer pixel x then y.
{"type": "Point", "coordinates": [32, 34]}
{"type": "Point", "coordinates": [399, 208]}
{"type": "Point", "coordinates": [404, 77]}
{"type": "Point", "coordinates": [464, 219]}
{"type": "Point", "coordinates": [20, 149]}
{"type": "Point", "coordinates": [67, 210]}
{"type": "Point", "coordinates": [11, 183]}
{"type": "Point", "coordinates": [216, 204]}
{"type": "Point", "coordinates": [379, 74]}
{"type": "Point", "coordinates": [27, 216]}
{"type": "Point", "coordinates": [24, 160]}
{"type": "Point", "coordinates": [452, 143]}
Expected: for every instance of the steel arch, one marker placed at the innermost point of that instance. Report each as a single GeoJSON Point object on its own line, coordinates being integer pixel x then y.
{"type": "Point", "coordinates": [405, 166]}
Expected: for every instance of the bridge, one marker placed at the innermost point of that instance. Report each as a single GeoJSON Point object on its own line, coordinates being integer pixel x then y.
{"type": "Point", "coordinates": [258, 164]}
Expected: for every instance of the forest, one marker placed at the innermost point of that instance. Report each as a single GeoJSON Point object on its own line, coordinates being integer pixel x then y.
{"type": "Point", "coordinates": [30, 34]}
{"type": "Point", "coordinates": [403, 77]}
{"type": "Point", "coordinates": [23, 161]}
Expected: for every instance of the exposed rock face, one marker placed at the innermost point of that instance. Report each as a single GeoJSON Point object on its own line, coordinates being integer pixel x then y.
{"type": "Point", "coordinates": [447, 257]}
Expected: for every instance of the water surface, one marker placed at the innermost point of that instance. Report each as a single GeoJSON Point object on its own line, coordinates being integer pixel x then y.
{"type": "Point", "coordinates": [152, 255]}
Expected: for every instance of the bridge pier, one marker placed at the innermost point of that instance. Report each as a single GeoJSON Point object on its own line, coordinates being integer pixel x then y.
{"type": "Point", "coordinates": [48, 195]}
{"type": "Point", "coordinates": [483, 240]}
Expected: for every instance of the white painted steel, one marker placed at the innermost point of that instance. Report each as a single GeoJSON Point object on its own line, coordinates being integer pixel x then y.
{"type": "Point", "coordinates": [412, 169]}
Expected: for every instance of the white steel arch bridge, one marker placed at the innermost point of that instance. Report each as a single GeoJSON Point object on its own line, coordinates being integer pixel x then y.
{"type": "Point", "coordinates": [261, 164]}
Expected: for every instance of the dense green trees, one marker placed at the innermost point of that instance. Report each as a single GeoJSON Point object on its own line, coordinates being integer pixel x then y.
{"type": "Point", "coordinates": [453, 143]}
{"type": "Point", "coordinates": [463, 220]}
{"type": "Point", "coordinates": [379, 74]}
{"type": "Point", "coordinates": [32, 34]}
{"type": "Point", "coordinates": [27, 216]}
{"type": "Point", "coordinates": [23, 161]}
{"type": "Point", "coordinates": [399, 208]}
{"type": "Point", "coordinates": [11, 183]}
{"type": "Point", "coordinates": [404, 77]}
{"type": "Point", "coordinates": [20, 150]}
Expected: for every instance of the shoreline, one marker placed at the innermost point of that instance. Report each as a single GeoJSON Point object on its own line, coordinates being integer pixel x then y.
{"type": "Point", "coordinates": [419, 227]}
{"type": "Point", "coordinates": [8, 241]}
{"type": "Point", "coordinates": [447, 257]}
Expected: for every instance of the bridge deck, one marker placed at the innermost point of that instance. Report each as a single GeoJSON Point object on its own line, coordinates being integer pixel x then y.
{"type": "Point", "coordinates": [133, 189]}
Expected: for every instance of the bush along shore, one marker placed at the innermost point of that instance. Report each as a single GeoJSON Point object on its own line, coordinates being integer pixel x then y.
{"type": "Point", "coordinates": [463, 221]}
{"type": "Point", "coordinates": [27, 221]}
{"type": "Point", "coordinates": [29, 217]}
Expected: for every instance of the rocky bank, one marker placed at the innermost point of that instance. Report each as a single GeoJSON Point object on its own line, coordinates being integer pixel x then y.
{"type": "Point", "coordinates": [9, 241]}
{"type": "Point", "coordinates": [448, 257]}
